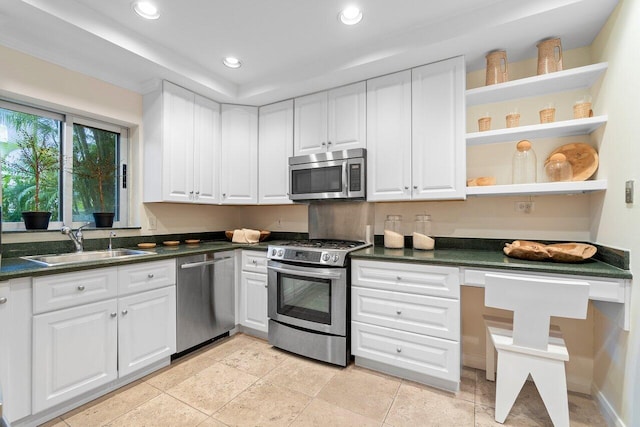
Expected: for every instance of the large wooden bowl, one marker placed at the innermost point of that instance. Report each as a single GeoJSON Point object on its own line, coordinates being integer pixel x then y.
{"type": "Point", "coordinates": [263, 234]}
{"type": "Point", "coordinates": [560, 252]}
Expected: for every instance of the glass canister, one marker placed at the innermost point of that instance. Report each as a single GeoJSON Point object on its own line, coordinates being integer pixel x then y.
{"type": "Point", "coordinates": [421, 233]}
{"type": "Point", "coordinates": [393, 237]}
{"type": "Point", "coordinates": [558, 168]}
{"type": "Point", "coordinates": [524, 163]}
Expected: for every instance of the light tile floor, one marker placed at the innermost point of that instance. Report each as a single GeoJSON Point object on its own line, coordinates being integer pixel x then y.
{"type": "Point", "coordinates": [243, 381]}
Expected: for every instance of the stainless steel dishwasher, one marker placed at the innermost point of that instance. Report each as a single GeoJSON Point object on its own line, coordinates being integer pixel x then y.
{"type": "Point", "coordinates": [205, 298]}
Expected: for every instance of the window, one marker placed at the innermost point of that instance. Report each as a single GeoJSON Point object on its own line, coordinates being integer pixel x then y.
{"type": "Point", "coordinates": [70, 166]}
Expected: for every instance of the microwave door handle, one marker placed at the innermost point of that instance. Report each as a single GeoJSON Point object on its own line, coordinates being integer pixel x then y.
{"type": "Point", "coordinates": [345, 178]}
{"type": "Point", "coordinates": [306, 273]}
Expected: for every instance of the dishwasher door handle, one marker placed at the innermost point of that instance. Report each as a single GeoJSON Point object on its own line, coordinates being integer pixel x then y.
{"type": "Point", "coordinates": [203, 263]}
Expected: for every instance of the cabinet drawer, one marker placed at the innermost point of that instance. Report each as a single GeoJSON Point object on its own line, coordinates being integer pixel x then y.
{"type": "Point", "coordinates": [403, 277]}
{"type": "Point", "coordinates": [146, 276]}
{"type": "Point", "coordinates": [69, 289]}
{"type": "Point", "coordinates": [438, 317]}
{"type": "Point", "coordinates": [254, 261]}
{"type": "Point", "coordinates": [419, 353]}
{"type": "Point", "coordinates": [600, 288]}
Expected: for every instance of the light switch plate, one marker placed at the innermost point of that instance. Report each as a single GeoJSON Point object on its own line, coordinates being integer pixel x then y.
{"type": "Point", "coordinates": [628, 192]}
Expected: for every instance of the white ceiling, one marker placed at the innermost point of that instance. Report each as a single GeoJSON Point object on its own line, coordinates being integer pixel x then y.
{"type": "Point", "coordinates": [288, 47]}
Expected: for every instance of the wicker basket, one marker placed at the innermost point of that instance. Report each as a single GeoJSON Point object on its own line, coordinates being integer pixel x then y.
{"type": "Point", "coordinates": [582, 110]}
{"type": "Point", "coordinates": [547, 115]}
{"type": "Point", "coordinates": [484, 123]}
{"type": "Point", "coordinates": [513, 120]}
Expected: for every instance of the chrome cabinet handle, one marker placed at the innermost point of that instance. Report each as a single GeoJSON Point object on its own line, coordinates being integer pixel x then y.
{"type": "Point", "coordinates": [398, 312]}
{"type": "Point", "coordinates": [81, 287]}
{"type": "Point", "coordinates": [406, 187]}
{"type": "Point", "coordinates": [398, 350]}
{"type": "Point", "coordinates": [255, 262]}
{"type": "Point", "coordinates": [398, 278]}
{"type": "Point", "coordinates": [3, 300]}
{"type": "Point", "coordinates": [150, 275]}
{"type": "Point", "coordinates": [124, 312]}
{"type": "Point", "coordinates": [114, 314]}
{"type": "Point", "coordinates": [415, 187]}
{"type": "Point", "coordinates": [324, 143]}
{"type": "Point", "coordinates": [329, 143]}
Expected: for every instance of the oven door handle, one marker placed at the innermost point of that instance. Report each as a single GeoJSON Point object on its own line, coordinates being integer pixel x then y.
{"type": "Point", "coordinates": [306, 272]}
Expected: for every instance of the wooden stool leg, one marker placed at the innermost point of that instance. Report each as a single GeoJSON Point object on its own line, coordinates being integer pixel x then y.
{"type": "Point", "coordinates": [490, 357]}
{"type": "Point", "coordinates": [511, 378]}
{"type": "Point", "coordinates": [550, 379]}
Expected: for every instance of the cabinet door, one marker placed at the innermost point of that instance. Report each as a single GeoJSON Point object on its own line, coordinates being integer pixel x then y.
{"type": "Point", "coordinates": [206, 170]}
{"type": "Point", "coordinates": [389, 137]}
{"type": "Point", "coordinates": [253, 301]}
{"type": "Point", "coordinates": [239, 155]}
{"type": "Point", "coordinates": [74, 351]}
{"type": "Point", "coordinates": [177, 172]}
{"type": "Point", "coordinates": [347, 117]}
{"type": "Point", "coordinates": [310, 124]}
{"type": "Point", "coordinates": [275, 146]}
{"type": "Point", "coordinates": [439, 151]}
{"type": "Point", "coordinates": [15, 347]}
{"type": "Point", "coordinates": [146, 328]}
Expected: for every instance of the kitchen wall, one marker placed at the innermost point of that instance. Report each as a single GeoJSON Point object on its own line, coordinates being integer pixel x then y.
{"type": "Point", "coordinates": [617, 371]}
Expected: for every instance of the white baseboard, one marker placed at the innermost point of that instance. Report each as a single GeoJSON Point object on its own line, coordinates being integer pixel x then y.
{"type": "Point", "coordinates": [608, 412]}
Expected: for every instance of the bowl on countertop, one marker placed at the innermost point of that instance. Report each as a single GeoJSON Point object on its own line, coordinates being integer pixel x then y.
{"type": "Point", "coordinates": [263, 234]}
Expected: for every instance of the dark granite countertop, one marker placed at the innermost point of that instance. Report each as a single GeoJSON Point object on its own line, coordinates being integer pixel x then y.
{"type": "Point", "coordinates": [11, 268]}
{"type": "Point", "coordinates": [489, 258]}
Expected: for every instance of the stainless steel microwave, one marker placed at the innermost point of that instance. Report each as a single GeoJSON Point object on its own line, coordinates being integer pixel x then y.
{"type": "Point", "coordinates": [333, 175]}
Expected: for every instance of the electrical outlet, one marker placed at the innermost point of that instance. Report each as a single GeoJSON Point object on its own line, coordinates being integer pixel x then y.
{"type": "Point", "coordinates": [524, 207]}
{"type": "Point", "coordinates": [153, 224]}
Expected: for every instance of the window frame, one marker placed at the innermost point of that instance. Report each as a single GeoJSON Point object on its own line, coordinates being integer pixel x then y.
{"type": "Point", "coordinates": [66, 163]}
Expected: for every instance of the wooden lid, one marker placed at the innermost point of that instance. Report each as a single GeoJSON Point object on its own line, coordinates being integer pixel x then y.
{"type": "Point", "coordinates": [558, 157]}
{"type": "Point", "coordinates": [523, 145]}
{"type": "Point", "coordinates": [583, 159]}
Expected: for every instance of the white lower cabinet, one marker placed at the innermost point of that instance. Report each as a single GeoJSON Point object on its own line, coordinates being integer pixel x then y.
{"type": "Point", "coordinates": [253, 292]}
{"type": "Point", "coordinates": [406, 320]}
{"type": "Point", "coordinates": [74, 351]}
{"type": "Point", "coordinates": [88, 340]}
{"type": "Point", "coordinates": [15, 347]}
{"type": "Point", "coordinates": [146, 328]}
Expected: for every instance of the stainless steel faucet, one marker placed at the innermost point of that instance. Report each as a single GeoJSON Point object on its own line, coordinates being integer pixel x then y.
{"type": "Point", "coordinates": [75, 236]}
{"type": "Point", "coordinates": [111, 234]}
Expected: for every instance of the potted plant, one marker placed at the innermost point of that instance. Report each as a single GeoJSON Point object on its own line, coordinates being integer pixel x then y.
{"type": "Point", "coordinates": [95, 168]}
{"type": "Point", "coordinates": [33, 166]}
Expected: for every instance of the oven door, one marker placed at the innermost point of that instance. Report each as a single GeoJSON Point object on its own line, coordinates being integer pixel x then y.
{"type": "Point", "coordinates": [313, 298]}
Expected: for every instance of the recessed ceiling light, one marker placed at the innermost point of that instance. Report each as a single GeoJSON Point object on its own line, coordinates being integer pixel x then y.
{"type": "Point", "coordinates": [232, 62]}
{"type": "Point", "coordinates": [350, 15]}
{"type": "Point", "coordinates": [146, 9]}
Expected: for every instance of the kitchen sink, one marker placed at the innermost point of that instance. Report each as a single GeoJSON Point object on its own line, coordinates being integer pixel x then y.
{"type": "Point", "coordinates": [89, 256]}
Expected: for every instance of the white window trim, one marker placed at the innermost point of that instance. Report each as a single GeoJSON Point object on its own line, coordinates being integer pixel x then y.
{"type": "Point", "coordinates": [66, 145]}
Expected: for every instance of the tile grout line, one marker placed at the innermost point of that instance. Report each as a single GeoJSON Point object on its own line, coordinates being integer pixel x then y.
{"type": "Point", "coordinates": [395, 396]}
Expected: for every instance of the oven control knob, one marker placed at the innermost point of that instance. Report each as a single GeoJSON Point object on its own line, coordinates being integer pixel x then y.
{"type": "Point", "coordinates": [335, 257]}
{"type": "Point", "coordinates": [273, 252]}
{"type": "Point", "coordinates": [280, 252]}
{"type": "Point", "coordinates": [325, 257]}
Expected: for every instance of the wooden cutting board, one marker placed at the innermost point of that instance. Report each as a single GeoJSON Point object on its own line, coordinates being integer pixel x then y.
{"type": "Point", "coordinates": [583, 159]}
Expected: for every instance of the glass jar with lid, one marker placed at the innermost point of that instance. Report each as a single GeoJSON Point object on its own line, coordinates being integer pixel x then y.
{"type": "Point", "coordinates": [558, 168]}
{"type": "Point", "coordinates": [422, 232]}
{"type": "Point", "coordinates": [524, 163]}
{"type": "Point", "coordinates": [393, 237]}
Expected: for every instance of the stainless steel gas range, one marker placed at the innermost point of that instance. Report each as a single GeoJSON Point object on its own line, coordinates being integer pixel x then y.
{"type": "Point", "coordinates": [309, 298]}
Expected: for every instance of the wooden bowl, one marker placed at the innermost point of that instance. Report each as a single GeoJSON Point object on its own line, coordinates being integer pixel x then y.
{"type": "Point", "coordinates": [263, 234]}
{"type": "Point", "coordinates": [560, 252]}
{"type": "Point", "coordinates": [583, 159]}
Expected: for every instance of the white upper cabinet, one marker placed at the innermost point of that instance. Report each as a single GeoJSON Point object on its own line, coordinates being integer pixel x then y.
{"type": "Point", "coordinates": [177, 120]}
{"type": "Point", "coordinates": [347, 117]}
{"type": "Point", "coordinates": [415, 131]}
{"type": "Point", "coordinates": [275, 146]}
{"type": "Point", "coordinates": [438, 131]}
{"type": "Point", "coordinates": [182, 132]}
{"type": "Point", "coordinates": [389, 137]}
{"type": "Point", "coordinates": [330, 120]}
{"type": "Point", "coordinates": [239, 154]}
{"type": "Point", "coordinates": [206, 151]}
